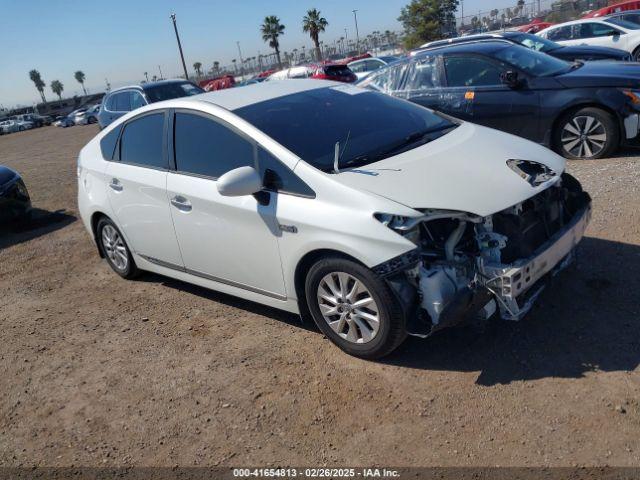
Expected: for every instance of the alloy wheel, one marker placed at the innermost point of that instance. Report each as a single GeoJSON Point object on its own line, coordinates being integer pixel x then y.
{"type": "Point", "coordinates": [348, 307]}
{"type": "Point", "coordinates": [114, 248]}
{"type": "Point", "coordinates": [584, 136]}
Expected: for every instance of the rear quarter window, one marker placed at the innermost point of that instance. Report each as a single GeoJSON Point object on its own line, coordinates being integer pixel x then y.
{"type": "Point", "coordinates": [108, 143]}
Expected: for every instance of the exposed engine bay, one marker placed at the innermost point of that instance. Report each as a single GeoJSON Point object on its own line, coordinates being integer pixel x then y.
{"type": "Point", "coordinates": [500, 263]}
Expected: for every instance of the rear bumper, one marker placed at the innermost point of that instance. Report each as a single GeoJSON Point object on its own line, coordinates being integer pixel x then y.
{"type": "Point", "coordinates": [517, 286]}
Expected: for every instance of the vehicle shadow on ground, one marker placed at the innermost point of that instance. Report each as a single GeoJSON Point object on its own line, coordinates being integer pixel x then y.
{"type": "Point", "coordinates": [230, 300]}
{"type": "Point", "coordinates": [588, 319]}
{"type": "Point", "coordinates": [41, 222]}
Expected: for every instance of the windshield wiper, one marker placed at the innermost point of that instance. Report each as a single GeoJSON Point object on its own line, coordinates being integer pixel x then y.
{"type": "Point", "coordinates": [397, 147]}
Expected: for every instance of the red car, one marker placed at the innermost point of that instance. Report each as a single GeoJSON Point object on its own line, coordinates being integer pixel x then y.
{"type": "Point", "coordinates": [220, 83]}
{"type": "Point", "coordinates": [618, 7]}
{"type": "Point", "coordinates": [534, 27]}
{"type": "Point", "coordinates": [335, 71]}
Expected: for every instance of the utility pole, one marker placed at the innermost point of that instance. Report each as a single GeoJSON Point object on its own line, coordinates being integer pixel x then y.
{"type": "Point", "coordinates": [241, 60]}
{"type": "Point", "coordinates": [184, 65]}
{"type": "Point", "coordinates": [461, 12]}
{"type": "Point", "coordinates": [160, 70]}
{"type": "Point", "coordinates": [355, 17]}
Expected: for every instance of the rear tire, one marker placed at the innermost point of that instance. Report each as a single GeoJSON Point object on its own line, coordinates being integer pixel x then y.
{"type": "Point", "coordinates": [115, 249]}
{"type": "Point", "coordinates": [589, 133]}
{"type": "Point", "coordinates": [354, 308]}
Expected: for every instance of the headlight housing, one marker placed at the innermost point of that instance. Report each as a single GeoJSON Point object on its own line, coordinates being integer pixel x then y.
{"type": "Point", "coordinates": [408, 227]}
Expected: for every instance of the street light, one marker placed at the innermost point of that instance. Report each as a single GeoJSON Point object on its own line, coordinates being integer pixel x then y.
{"type": "Point", "coordinates": [355, 17]}
{"type": "Point", "coordinates": [184, 65]}
{"type": "Point", "coordinates": [241, 60]}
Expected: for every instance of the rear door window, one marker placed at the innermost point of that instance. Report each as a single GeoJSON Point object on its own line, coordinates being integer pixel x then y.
{"type": "Point", "coordinates": [142, 141]}
{"type": "Point", "coordinates": [387, 80]}
{"type": "Point", "coordinates": [423, 75]}
{"type": "Point", "coordinates": [559, 34]}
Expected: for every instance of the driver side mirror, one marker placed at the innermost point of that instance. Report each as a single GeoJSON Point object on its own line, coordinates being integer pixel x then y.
{"type": "Point", "coordinates": [239, 182]}
{"type": "Point", "coordinates": [511, 79]}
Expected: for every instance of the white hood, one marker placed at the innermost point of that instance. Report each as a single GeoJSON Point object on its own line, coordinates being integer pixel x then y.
{"type": "Point", "coordinates": [465, 170]}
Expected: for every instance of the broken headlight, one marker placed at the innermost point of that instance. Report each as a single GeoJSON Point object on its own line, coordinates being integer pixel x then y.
{"type": "Point", "coordinates": [408, 227]}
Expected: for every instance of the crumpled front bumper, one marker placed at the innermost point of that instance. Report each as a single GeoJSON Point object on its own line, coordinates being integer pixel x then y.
{"type": "Point", "coordinates": [518, 285]}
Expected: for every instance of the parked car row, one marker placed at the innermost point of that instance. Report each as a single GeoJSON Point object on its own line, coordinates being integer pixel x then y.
{"type": "Point", "coordinates": [11, 126]}
{"type": "Point", "coordinates": [580, 109]}
{"type": "Point", "coordinates": [26, 121]}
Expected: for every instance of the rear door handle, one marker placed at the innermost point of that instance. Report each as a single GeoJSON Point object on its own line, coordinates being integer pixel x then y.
{"type": "Point", "coordinates": [181, 203]}
{"type": "Point", "coordinates": [116, 185]}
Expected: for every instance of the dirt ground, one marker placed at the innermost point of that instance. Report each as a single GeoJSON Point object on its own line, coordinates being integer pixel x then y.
{"type": "Point", "coordinates": [99, 371]}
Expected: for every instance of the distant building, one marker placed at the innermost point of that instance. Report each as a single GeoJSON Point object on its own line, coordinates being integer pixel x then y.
{"type": "Point", "coordinates": [57, 107]}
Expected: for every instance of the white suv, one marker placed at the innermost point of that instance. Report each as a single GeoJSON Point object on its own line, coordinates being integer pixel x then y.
{"type": "Point", "coordinates": [376, 217]}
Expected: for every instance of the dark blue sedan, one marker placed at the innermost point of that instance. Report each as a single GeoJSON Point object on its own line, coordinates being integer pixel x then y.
{"type": "Point", "coordinates": [581, 110]}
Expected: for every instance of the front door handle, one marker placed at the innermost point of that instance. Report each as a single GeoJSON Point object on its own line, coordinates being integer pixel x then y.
{"type": "Point", "coordinates": [116, 185]}
{"type": "Point", "coordinates": [181, 203]}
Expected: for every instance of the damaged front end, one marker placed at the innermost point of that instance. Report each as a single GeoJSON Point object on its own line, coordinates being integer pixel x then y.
{"type": "Point", "coordinates": [469, 265]}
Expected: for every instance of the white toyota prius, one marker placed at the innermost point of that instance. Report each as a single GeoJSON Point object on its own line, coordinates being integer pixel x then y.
{"type": "Point", "coordinates": [376, 217]}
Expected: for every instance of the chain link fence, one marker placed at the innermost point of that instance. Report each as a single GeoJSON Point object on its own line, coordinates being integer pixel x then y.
{"type": "Point", "coordinates": [523, 13]}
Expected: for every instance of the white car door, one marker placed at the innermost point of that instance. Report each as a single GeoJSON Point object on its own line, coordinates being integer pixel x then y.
{"type": "Point", "coordinates": [600, 35]}
{"type": "Point", "coordinates": [137, 190]}
{"type": "Point", "coordinates": [232, 240]}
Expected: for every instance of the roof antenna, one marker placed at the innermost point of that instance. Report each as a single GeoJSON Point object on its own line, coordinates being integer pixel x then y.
{"type": "Point", "coordinates": [336, 158]}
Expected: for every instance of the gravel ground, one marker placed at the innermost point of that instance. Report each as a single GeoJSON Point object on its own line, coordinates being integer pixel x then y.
{"type": "Point", "coordinates": [99, 371]}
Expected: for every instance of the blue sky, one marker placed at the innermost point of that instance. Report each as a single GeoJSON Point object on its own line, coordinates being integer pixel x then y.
{"type": "Point", "coordinates": [120, 40]}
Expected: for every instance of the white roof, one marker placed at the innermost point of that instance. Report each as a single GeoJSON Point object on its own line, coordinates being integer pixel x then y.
{"type": "Point", "coordinates": [583, 20]}
{"type": "Point", "coordinates": [234, 98]}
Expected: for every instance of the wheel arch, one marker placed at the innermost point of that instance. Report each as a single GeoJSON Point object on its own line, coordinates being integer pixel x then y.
{"type": "Point", "coordinates": [95, 218]}
{"type": "Point", "coordinates": [302, 268]}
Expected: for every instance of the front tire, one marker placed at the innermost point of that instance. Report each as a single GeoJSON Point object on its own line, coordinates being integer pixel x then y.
{"type": "Point", "coordinates": [115, 249]}
{"type": "Point", "coordinates": [589, 133]}
{"type": "Point", "coordinates": [354, 308]}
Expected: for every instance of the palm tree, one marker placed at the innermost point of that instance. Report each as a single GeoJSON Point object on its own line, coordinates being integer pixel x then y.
{"type": "Point", "coordinates": [235, 66]}
{"type": "Point", "coordinates": [146, 75]}
{"type": "Point", "coordinates": [154, 78]}
{"type": "Point", "coordinates": [57, 88]}
{"type": "Point", "coordinates": [313, 24]}
{"type": "Point", "coordinates": [79, 76]}
{"type": "Point", "coordinates": [271, 29]}
{"type": "Point", "coordinates": [197, 66]}
{"type": "Point", "coordinates": [216, 67]}
{"type": "Point", "coordinates": [35, 77]}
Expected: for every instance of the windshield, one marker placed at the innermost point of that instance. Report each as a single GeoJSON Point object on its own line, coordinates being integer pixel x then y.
{"type": "Point", "coordinates": [623, 23]}
{"type": "Point", "coordinates": [389, 59]}
{"type": "Point", "coordinates": [534, 42]}
{"type": "Point", "coordinates": [168, 91]}
{"type": "Point", "coordinates": [370, 126]}
{"type": "Point", "coordinates": [532, 62]}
